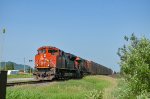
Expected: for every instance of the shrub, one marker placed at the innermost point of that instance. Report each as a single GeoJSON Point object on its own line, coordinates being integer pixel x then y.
{"type": "Point", "coordinates": [135, 66]}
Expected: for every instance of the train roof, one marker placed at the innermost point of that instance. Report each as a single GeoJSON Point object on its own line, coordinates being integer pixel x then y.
{"type": "Point", "coordinates": [44, 47]}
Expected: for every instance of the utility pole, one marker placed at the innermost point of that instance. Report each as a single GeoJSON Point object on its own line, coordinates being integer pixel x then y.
{"type": "Point", "coordinates": [24, 65]}
{"type": "Point", "coordinates": [1, 50]}
{"type": "Point", "coordinates": [5, 65]}
{"type": "Point", "coordinates": [3, 74]}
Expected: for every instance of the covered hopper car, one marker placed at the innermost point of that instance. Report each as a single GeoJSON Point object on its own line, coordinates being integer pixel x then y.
{"type": "Point", "coordinates": [51, 62]}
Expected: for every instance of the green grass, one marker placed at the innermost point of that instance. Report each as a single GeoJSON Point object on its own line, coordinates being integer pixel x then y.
{"type": "Point", "coordinates": [20, 76]}
{"type": "Point", "coordinates": [84, 88]}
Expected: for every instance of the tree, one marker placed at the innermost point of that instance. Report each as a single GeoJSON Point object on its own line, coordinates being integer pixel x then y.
{"type": "Point", "coordinates": [10, 66]}
{"type": "Point", "coordinates": [135, 64]}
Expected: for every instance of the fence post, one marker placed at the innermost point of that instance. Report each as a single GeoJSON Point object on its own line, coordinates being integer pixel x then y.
{"type": "Point", "coordinates": [3, 82]}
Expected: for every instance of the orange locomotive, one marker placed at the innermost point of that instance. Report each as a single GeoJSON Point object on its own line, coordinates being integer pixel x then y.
{"type": "Point", "coordinates": [51, 62]}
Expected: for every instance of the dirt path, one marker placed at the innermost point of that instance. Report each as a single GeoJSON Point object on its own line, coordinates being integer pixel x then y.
{"type": "Point", "coordinates": [108, 91]}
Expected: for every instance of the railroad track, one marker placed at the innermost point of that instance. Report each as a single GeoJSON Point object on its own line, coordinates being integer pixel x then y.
{"type": "Point", "coordinates": [32, 82]}
{"type": "Point", "coordinates": [26, 83]}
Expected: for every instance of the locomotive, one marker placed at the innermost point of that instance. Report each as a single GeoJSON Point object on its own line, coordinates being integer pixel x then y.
{"type": "Point", "coordinates": [51, 62]}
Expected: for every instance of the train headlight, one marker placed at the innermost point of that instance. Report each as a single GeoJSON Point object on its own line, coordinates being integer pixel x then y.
{"type": "Point", "coordinates": [37, 65]}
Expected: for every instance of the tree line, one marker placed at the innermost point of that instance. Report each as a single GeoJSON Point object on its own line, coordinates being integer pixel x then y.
{"type": "Point", "coordinates": [10, 66]}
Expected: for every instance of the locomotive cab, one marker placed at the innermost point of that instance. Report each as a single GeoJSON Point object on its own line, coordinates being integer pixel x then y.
{"type": "Point", "coordinates": [45, 61]}
{"type": "Point", "coordinates": [53, 52]}
{"type": "Point", "coordinates": [46, 57]}
{"type": "Point", "coordinates": [41, 51]}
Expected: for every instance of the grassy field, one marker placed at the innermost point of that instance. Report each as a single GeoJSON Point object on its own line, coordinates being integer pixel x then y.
{"type": "Point", "coordinates": [85, 88]}
{"type": "Point", "coordinates": [20, 76]}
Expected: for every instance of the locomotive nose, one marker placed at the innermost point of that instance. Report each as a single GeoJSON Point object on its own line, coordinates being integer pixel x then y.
{"type": "Point", "coordinates": [42, 61]}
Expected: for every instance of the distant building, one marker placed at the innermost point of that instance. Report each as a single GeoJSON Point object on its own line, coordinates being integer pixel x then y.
{"type": "Point", "coordinates": [10, 72]}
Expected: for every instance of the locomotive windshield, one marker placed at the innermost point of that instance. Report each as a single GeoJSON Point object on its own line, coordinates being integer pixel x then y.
{"type": "Point", "coordinates": [52, 51]}
{"type": "Point", "coordinates": [42, 51]}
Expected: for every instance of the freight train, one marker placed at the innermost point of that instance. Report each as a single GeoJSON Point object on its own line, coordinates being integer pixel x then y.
{"type": "Point", "coordinates": [51, 62]}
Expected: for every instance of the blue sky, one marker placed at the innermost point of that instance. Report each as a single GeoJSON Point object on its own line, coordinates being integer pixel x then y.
{"type": "Point", "coordinates": [91, 29]}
